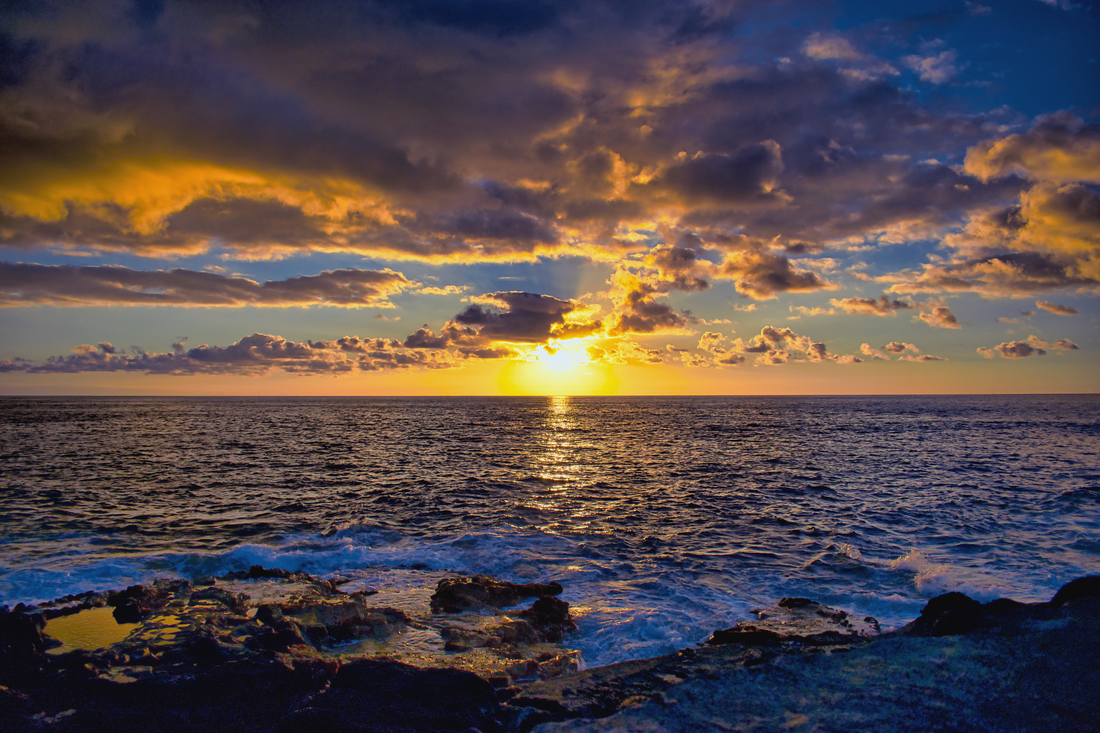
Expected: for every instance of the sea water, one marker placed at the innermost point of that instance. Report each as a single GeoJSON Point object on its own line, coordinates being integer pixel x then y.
{"type": "Point", "coordinates": [663, 518]}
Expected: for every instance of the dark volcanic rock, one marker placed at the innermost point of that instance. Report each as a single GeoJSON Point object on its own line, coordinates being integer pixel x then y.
{"type": "Point", "coordinates": [256, 572]}
{"type": "Point", "coordinates": [748, 635]}
{"type": "Point", "coordinates": [951, 614]}
{"type": "Point", "coordinates": [1087, 587]}
{"type": "Point", "coordinates": [22, 643]}
{"type": "Point", "coordinates": [343, 620]}
{"type": "Point", "coordinates": [234, 601]}
{"type": "Point", "coordinates": [137, 602]}
{"type": "Point", "coordinates": [550, 618]}
{"type": "Point", "coordinates": [454, 595]}
{"type": "Point", "coordinates": [370, 695]}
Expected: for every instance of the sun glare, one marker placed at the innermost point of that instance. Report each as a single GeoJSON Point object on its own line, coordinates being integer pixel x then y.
{"type": "Point", "coordinates": [557, 369]}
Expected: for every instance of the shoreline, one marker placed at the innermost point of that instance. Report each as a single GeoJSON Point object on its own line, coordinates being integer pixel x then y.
{"type": "Point", "coordinates": [301, 655]}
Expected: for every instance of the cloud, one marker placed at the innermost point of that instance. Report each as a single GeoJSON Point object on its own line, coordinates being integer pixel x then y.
{"type": "Point", "coordinates": [65, 285]}
{"type": "Point", "coordinates": [522, 317]}
{"type": "Point", "coordinates": [900, 347]}
{"type": "Point", "coordinates": [1033, 346]}
{"type": "Point", "coordinates": [871, 307]}
{"type": "Point", "coordinates": [761, 275]}
{"type": "Point", "coordinates": [773, 346]}
{"type": "Point", "coordinates": [510, 317]}
{"type": "Point", "coordinates": [749, 175]}
{"type": "Point", "coordinates": [939, 316]}
{"type": "Point", "coordinates": [937, 69]}
{"type": "Point", "coordinates": [1013, 274]}
{"type": "Point", "coordinates": [831, 47]}
{"type": "Point", "coordinates": [665, 269]}
{"type": "Point", "coordinates": [1059, 149]}
{"type": "Point", "coordinates": [867, 350]}
{"type": "Point", "coordinates": [1059, 310]}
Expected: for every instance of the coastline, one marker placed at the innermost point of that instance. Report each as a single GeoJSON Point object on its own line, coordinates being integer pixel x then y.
{"type": "Point", "coordinates": [205, 655]}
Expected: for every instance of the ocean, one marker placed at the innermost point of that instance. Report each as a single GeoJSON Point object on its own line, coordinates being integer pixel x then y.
{"type": "Point", "coordinates": [663, 518]}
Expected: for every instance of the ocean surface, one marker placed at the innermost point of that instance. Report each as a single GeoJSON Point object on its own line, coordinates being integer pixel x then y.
{"type": "Point", "coordinates": [664, 518]}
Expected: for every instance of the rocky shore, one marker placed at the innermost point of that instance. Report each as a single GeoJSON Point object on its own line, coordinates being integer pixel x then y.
{"type": "Point", "coordinates": [271, 650]}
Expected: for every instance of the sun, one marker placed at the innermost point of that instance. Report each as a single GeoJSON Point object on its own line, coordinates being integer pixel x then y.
{"type": "Point", "coordinates": [557, 369]}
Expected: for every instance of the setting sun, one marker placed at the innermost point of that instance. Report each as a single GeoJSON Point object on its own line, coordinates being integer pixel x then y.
{"type": "Point", "coordinates": [557, 369]}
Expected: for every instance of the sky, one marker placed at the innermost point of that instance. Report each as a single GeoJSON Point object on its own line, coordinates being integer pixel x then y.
{"type": "Point", "coordinates": [483, 197]}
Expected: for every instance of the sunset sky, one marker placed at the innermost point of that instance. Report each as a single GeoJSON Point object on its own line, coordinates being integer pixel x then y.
{"type": "Point", "coordinates": [535, 197]}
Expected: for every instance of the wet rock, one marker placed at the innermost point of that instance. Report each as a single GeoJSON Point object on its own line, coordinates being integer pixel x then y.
{"type": "Point", "coordinates": [550, 618]}
{"type": "Point", "coordinates": [796, 602]}
{"type": "Point", "coordinates": [1086, 587]}
{"type": "Point", "coordinates": [371, 695]}
{"type": "Point", "coordinates": [460, 640]}
{"type": "Point", "coordinates": [349, 619]}
{"type": "Point", "coordinates": [269, 613]}
{"type": "Point", "coordinates": [236, 602]}
{"type": "Point", "coordinates": [281, 636]}
{"type": "Point", "coordinates": [137, 603]}
{"type": "Point", "coordinates": [747, 635]}
{"type": "Point", "coordinates": [22, 643]}
{"type": "Point", "coordinates": [454, 595]}
{"type": "Point", "coordinates": [171, 586]}
{"type": "Point", "coordinates": [255, 572]}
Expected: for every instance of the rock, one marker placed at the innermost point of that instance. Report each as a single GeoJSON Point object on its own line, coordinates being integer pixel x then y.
{"type": "Point", "coordinates": [269, 613]}
{"type": "Point", "coordinates": [747, 634]}
{"type": "Point", "coordinates": [234, 601]}
{"type": "Point", "coordinates": [371, 695]}
{"type": "Point", "coordinates": [171, 586]}
{"type": "Point", "coordinates": [279, 637]}
{"type": "Point", "coordinates": [550, 618]}
{"type": "Point", "coordinates": [454, 595]}
{"type": "Point", "coordinates": [460, 640]}
{"type": "Point", "coordinates": [22, 643]}
{"type": "Point", "coordinates": [1086, 587]}
{"type": "Point", "coordinates": [349, 619]}
{"type": "Point", "coordinates": [950, 614]}
{"type": "Point", "coordinates": [137, 603]}
{"type": "Point", "coordinates": [257, 571]}
{"type": "Point", "coordinates": [796, 602]}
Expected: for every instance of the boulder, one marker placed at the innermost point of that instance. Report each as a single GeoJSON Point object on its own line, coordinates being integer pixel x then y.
{"type": "Point", "coordinates": [22, 643]}
{"type": "Point", "coordinates": [376, 695]}
{"type": "Point", "coordinates": [1086, 587]}
{"type": "Point", "coordinates": [137, 602]}
{"type": "Point", "coordinates": [454, 595]}
{"type": "Point", "coordinates": [346, 619]}
{"type": "Point", "coordinates": [234, 601]}
{"type": "Point", "coordinates": [550, 618]}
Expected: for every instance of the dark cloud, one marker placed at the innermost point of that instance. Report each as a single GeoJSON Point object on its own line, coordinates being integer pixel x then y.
{"type": "Point", "coordinates": [871, 307]}
{"type": "Point", "coordinates": [508, 316]}
{"type": "Point", "coordinates": [639, 313]}
{"type": "Point", "coordinates": [252, 355]}
{"type": "Point", "coordinates": [516, 316]}
{"type": "Point", "coordinates": [762, 275]}
{"type": "Point", "coordinates": [1033, 346]}
{"type": "Point", "coordinates": [1017, 273]}
{"type": "Point", "coordinates": [64, 285]}
{"type": "Point", "coordinates": [1056, 309]}
{"type": "Point", "coordinates": [746, 176]}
